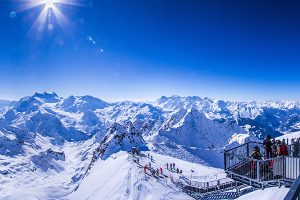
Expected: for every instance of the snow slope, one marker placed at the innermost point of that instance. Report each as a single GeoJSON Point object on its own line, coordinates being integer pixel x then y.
{"type": "Point", "coordinates": [273, 193]}
{"type": "Point", "coordinates": [119, 177]}
{"type": "Point", "coordinates": [44, 170]}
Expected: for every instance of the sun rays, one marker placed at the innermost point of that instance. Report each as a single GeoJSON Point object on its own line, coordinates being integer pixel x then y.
{"type": "Point", "coordinates": [46, 15]}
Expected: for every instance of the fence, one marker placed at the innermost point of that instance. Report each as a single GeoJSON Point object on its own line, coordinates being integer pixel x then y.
{"type": "Point", "coordinates": [206, 184]}
{"type": "Point", "coordinates": [267, 171]}
{"type": "Point", "coordinates": [261, 170]}
{"type": "Point", "coordinates": [235, 156]}
{"type": "Point", "coordinates": [213, 188]}
{"type": "Point", "coordinates": [292, 167]}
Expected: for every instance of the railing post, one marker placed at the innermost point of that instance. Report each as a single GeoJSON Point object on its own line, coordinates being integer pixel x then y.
{"type": "Point", "coordinates": [257, 170]}
{"type": "Point", "coordinates": [284, 167]}
{"type": "Point", "coordinates": [225, 161]}
{"type": "Point", "coordinates": [248, 154]}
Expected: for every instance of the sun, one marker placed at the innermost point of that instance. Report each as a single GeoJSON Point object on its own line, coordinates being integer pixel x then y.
{"type": "Point", "coordinates": [49, 4]}
{"type": "Point", "coordinates": [50, 15]}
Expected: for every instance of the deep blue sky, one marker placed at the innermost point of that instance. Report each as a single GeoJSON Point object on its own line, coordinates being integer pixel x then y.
{"type": "Point", "coordinates": [143, 49]}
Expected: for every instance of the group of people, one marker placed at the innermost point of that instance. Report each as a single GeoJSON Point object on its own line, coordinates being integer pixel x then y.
{"type": "Point", "coordinates": [135, 151]}
{"type": "Point", "coordinates": [274, 148]}
{"type": "Point", "coordinates": [152, 170]}
{"type": "Point", "coordinates": [171, 166]}
{"type": "Point", "coordinates": [295, 147]}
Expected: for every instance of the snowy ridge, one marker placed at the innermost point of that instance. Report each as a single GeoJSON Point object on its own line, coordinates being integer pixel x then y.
{"type": "Point", "coordinates": [121, 138]}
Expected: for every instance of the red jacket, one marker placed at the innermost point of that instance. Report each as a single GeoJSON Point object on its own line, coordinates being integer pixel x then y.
{"type": "Point", "coordinates": [282, 150]}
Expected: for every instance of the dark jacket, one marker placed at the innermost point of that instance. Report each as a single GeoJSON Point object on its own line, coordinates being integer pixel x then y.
{"type": "Point", "coordinates": [268, 144]}
{"type": "Point", "coordinates": [256, 155]}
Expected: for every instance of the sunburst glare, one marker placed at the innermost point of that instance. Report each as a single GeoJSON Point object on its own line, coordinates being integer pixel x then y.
{"type": "Point", "coordinates": [51, 14]}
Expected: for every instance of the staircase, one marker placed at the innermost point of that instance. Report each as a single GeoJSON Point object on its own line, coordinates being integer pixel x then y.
{"type": "Point", "coordinates": [225, 189]}
{"type": "Point", "coordinates": [231, 191]}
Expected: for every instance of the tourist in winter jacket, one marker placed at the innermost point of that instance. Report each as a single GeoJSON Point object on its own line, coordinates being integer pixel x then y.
{"type": "Point", "coordinates": [282, 149]}
{"type": "Point", "coordinates": [256, 153]}
{"type": "Point", "coordinates": [274, 148]}
{"type": "Point", "coordinates": [268, 146]}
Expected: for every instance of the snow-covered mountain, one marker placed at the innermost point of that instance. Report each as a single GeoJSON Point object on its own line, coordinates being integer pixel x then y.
{"type": "Point", "coordinates": [261, 118]}
{"type": "Point", "coordinates": [45, 137]}
{"type": "Point", "coordinates": [188, 134]}
{"type": "Point", "coordinates": [120, 138]}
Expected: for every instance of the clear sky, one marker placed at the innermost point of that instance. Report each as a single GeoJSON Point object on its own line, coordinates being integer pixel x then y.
{"type": "Point", "coordinates": [143, 49]}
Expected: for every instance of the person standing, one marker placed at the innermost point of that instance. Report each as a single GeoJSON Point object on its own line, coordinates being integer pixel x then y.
{"type": "Point", "coordinates": [256, 153]}
{"type": "Point", "coordinates": [293, 147]}
{"type": "Point", "coordinates": [282, 149]}
{"type": "Point", "coordinates": [274, 148]}
{"type": "Point", "coordinates": [257, 156]}
{"type": "Point", "coordinates": [268, 146]}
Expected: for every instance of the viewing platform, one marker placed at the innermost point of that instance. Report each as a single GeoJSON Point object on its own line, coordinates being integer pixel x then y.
{"type": "Point", "coordinates": [277, 171]}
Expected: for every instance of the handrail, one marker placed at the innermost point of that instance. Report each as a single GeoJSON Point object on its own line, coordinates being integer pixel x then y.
{"type": "Point", "coordinates": [225, 150]}
{"type": "Point", "coordinates": [294, 192]}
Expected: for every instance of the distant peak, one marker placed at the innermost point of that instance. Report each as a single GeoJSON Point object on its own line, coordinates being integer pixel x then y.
{"type": "Point", "coordinates": [45, 94]}
{"type": "Point", "coordinates": [194, 98]}
{"type": "Point", "coordinates": [49, 97]}
{"type": "Point", "coordinates": [175, 96]}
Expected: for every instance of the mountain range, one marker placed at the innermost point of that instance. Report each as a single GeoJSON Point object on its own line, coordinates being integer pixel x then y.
{"type": "Point", "coordinates": [46, 134]}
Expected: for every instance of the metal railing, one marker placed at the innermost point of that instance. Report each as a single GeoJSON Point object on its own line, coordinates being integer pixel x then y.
{"type": "Point", "coordinates": [235, 156]}
{"type": "Point", "coordinates": [205, 184]}
{"type": "Point", "coordinates": [213, 188]}
{"type": "Point", "coordinates": [292, 167]}
{"type": "Point", "coordinates": [294, 192]}
{"type": "Point", "coordinates": [263, 172]}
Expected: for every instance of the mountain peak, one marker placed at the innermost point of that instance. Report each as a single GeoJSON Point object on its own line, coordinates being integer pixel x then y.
{"type": "Point", "coordinates": [120, 138]}
{"type": "Point", "coordinates": [49, 97]}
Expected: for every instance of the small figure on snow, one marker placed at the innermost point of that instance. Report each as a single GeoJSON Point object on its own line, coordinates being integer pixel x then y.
{"type": "Point", "coordinates": [157, 172]}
